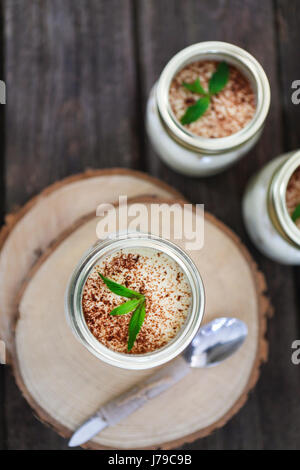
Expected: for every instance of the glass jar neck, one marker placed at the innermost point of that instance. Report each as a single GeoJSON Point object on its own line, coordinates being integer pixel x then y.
{"type": "Point", "coordinates": [277, 207]}
{"type": "Point", "coordinates": [214, 50]}
{"type": "Point", "coordinates": [73, 300]}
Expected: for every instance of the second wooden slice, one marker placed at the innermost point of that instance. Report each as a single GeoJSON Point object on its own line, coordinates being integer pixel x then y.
{"type": "Point", "coordinates": [65, 384]}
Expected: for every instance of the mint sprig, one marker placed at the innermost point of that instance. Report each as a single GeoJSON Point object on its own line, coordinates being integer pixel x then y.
{"type": "Point", "coordinates": [196, 110]}
{"type": "Point", "coordinates": [136, 323]}
{"type": "Point", "coordinates": [195, 87]}
{"type": "Point", "coordinates": [126, 307]}
{"type": "Point", "coordinates": [216, 84]}
{"type": "Point", "coordinates": [296, 213]}
{"type": "Point", "coordinates": [136, 304]}
{"type": "Point", "coordinates": [119, 289]}
{"type": "Point", "coordinates": [219, 79]}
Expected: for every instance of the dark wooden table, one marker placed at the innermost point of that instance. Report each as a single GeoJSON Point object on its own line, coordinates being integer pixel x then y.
{"type": "Point", "coordinates": [78, 73]}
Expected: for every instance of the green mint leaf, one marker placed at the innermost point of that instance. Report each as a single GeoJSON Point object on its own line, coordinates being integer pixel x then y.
{"type": "Point", "coordinates": [219, 78]}
{"type": "Point", "coordinates": [296, 213]}
{"type": "Point", "coordinates": [195, 87]}
{"type": "Point", "coordinates": [195, 111]}
{"type": "Point", "coordinates": [119, 289]}
{"type": "Point", "coordinates": [126, 307]}
{"type": "Point", "coordinates": [135, 324]}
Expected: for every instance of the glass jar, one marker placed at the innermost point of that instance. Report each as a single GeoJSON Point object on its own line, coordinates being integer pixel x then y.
{"type": "Point", "coordinates": [265, 213]}
{"type": "Point", "coordinates": [186, 152]}
{"type": "Point", "coordinates": [104, 248]}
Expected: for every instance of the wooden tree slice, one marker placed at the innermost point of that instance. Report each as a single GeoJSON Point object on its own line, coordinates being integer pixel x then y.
{"type": "Point", "coordinates": [65, 384]}
{"type": "Point", "coordinates": [28, 232]}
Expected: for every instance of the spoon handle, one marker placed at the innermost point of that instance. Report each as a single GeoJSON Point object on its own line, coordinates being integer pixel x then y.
{"type": "Point", "coordinates": [124, 405]}
{"type": "Point", "coordinates": [157, 383]}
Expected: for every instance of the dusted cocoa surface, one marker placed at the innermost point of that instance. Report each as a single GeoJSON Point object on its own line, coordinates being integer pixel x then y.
{"type": "Point", "coordinates": [229, 111]}
{"type": "Point", "coordinates": [150, 273]}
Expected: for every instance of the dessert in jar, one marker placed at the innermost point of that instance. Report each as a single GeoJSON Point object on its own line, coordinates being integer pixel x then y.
{"type": "Point", "coordinates": [271, 209]}
{"type": "Point", "coordinates": [154, 275]}
{"type": "Point", "coordinates": [208, 108]}
{"type": "Point", "coordinates": [135, 300]}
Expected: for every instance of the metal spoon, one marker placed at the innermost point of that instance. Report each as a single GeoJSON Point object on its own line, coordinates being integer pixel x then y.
{"type": "Point", "coordinates": [213, 343]}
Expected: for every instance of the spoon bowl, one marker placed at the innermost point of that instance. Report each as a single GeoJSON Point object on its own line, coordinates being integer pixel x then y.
{"type": "Point", "coordinates": [215, 342]}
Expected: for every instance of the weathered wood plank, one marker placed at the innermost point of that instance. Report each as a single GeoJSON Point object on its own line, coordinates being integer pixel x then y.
{"type": "Point", "coordinates": [2, 210]}
{"type": "Point", "coordinates": [166, 26]}
{"type": "Point", "coordinates": [287, 22]}
{"type": "Point", "coordinates": [71, 84]}
{"type": "Point", "coordinates": [2, 404]}
{"type": "Point", "coordinates": [70, 76]}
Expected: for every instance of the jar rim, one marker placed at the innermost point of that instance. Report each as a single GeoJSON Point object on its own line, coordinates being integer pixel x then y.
{"type": "Point", "coordinates": [278, 190]}
{"type": "Point", "coordinates": [238, 57]}
{"type": "Point", "coordinates": [73, 301]}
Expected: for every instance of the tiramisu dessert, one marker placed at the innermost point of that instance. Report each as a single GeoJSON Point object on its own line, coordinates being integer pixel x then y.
{"type": "Point", "coordinates": [136, 300]}
{"type": "Point", "coordinates": [212, 99]}
{"type": "Point", "coordinates": [293, 197]}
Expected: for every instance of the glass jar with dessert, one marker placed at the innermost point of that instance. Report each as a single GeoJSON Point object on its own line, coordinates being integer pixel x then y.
{"type": "Point", "coordinates": [135, 300]}
{"type": "Point", "coordinates": [208, 108]}
{"type": "Point", "coordinates": [271, 209]}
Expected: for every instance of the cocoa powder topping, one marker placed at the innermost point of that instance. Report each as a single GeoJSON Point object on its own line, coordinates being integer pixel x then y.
{"type": "Point", "coordinates": [230, 110]}
{"type": "Point", "coordinates": [158, 278]}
